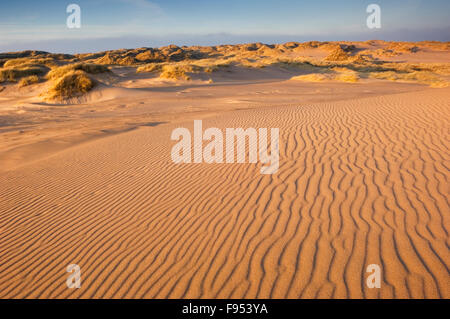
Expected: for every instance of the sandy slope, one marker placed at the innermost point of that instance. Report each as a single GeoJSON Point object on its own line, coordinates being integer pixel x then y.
{"type": "Point", "coordinates": [361, 181]}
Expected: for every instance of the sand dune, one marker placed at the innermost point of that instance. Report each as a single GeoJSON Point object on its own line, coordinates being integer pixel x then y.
{"type": "Point", "coordinates": [362, 181]}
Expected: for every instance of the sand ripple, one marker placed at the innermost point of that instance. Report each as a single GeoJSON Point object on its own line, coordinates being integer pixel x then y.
{"type": "Point", "coordinates": [360, 182]}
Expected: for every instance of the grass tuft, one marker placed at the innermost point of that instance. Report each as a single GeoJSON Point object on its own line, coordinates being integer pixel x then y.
{"type": "Point", "coordinates": [32, 79]}
{"type": "Point", "coordinates": [71, 84]}
{"type": "Point", "coordinates": [86, 67]}
{"type": "Point", "coordinates": [15, 74]}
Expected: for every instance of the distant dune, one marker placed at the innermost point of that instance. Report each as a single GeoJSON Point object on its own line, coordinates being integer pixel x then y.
{"type": "Point", "coordinates": [315, 60]}
{"type": "Point", "coordinates": [86, 174]}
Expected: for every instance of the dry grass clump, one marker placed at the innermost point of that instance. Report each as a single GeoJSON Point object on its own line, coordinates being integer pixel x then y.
{"type": "Point", "coordinates": [310, 45]}
{"type": "Point", "coordinates": [402, 47]}
{"type": "Point", "coordinates": [361, 58]}
{"type": "Point", "coordinates": [175, 72]}
{"type": "Point", "coordinates": [106, 59]}
{"type": "Point", "coordinates": [253, 62]}
{"type": "Point", "coordinates": [213, 65]}
{"type": "Point", "coordinates": [32, 79]}
{"type": "Point", "coordinates": [49, 62]}
{"type": "Point", "coordinates": [345, 75]}
{"type": "Point", "coordinates": [301, 65]}
{"type": "Point", "coordinates": [128, 60]}
{"type": "Point", "coordinates": [151, 67]}
{"type": "Point", "coordinates": [116, 59]}
{"type": "Point", "coordinates": [351, 70]}
{"type": "Point", "coordinates": [72, 84]}
{"type": "Point", "coordinates": [424, 77]}
{"type": "Point", "coordinates": [338, 54]}
{"type": "Point", "coordinates": [438, 68]}
{"type": "Point", "coordinates": [436, 45]}
{"type": "Point", "coordinates": [387, 75]}
{"type": "Point", "coordinates": [188, 68]}
{"type": "Point", "coordinates": [383, 52]}
{"type": "Point", "coordinates": [86, 67]}
{"type": "Point", "coordinates": [178, 71]}
{"type": "Point", "coordinates": [171, 53]}
{"type": "Point", "coordinates": [72, 80]}
{"type": "Point", "coordinates": [340, 74]}
{"type": "Point", "coordinates": [14, 74]}
{"type": "Point", "coordinates": [312, 77]}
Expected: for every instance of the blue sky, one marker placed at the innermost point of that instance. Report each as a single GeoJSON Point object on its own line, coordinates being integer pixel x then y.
{"type": "Point", "coordinates": [114, 24]}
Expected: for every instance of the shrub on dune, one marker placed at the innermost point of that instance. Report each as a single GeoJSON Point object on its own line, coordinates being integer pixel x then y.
{"type": "Point", "coordinates": [338, 54]}
{"type": "Point", "coordinates": [151, 67]}
{"type": "Point", "coordinates": [437, 68]}
{"type": "Point", "coordinates": [86, 67]}
{"type": "Point", "coordinates": [313, 77]}
{"type": "Point", "coordinates": [127, 61]}
{"type": "Point", "coordinates": [361, 59]}
{"type": "Point", "coordinates": [49, 62]}
{"type": "Point", "coordinates": [106, 59]}
{"type": "Point", "coordinates": [345, 75]}
{"type": "Point", "coordinates": [91, 68]}
{"type": "Point", "coordinates": [178, 71]}
{"type": "Point", "coordinates": [403, 47]}
{"type": "Point", "coordinates": [15, 74]}
{"type": "Point", "coordinates": [259, 63]}
{"type": "Point", "coordinates": [71, 84]}
{"type": "Point", "coordinates": [32, 79]}
{"type": "Point", "coordinates": [340, 74]}
{"type": "Point", "coordinates": [212, 65]}
{"type": "Point", "coordinates": [186, 68]}
{"type": "Point", "coordinates": [171, 72]}
{"type": "Point", "coordinates": [387, 75]}
{"type": "Point", "coordinates": [424, 77]}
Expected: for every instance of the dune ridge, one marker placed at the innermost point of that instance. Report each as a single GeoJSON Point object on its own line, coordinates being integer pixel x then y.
{"type": "Point", "coordinates": [68, 79]}
{"type": "Point", "coordinates": [360, 181]}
